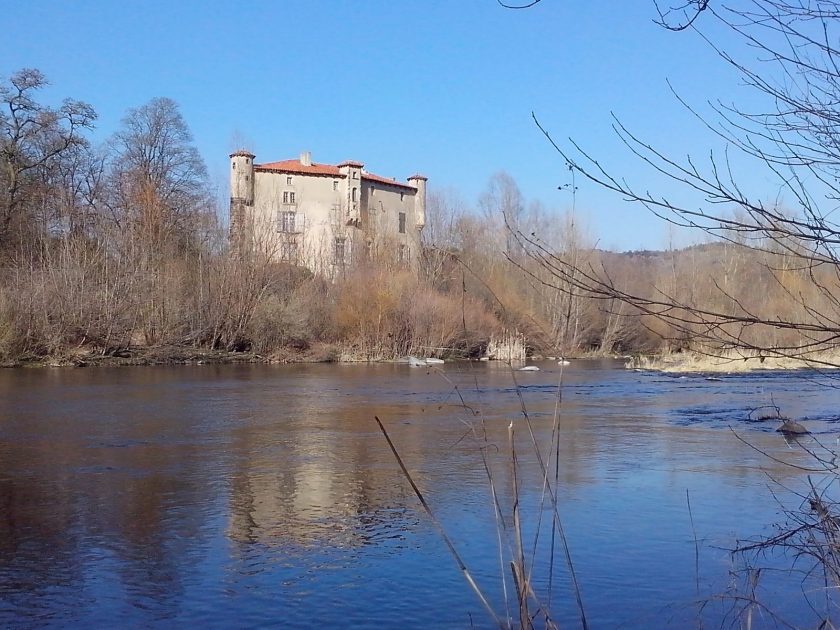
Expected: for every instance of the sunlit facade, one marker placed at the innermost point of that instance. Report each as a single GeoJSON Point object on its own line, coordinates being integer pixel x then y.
{"type": "Point", "coordinates": [322, 216]}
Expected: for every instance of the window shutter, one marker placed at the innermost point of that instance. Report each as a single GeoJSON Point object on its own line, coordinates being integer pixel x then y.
{"type": "Point", "coordinates": [300, 222]}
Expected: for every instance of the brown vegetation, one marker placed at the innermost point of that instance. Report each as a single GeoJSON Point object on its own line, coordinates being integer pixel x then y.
{"type": "Point", "coordinates": [118, 251]}
{"type": "Point", "coordinates": [771, 286]}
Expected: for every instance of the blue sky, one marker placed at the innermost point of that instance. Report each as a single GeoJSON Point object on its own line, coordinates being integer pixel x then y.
{"type": "Point", "coordinates": [444, 87]}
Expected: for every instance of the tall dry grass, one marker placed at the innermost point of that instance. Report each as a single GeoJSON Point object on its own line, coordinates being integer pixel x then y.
{"type": "Point", "coordinates": [76, 295]}
{"type": "Point", "coordinates": [381, 313]}
{"type": "Point", "coordinates": [127, 286]}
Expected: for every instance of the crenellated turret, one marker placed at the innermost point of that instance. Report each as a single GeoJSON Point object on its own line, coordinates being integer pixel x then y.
{"type": "Point", "coordinates": [419, 182]}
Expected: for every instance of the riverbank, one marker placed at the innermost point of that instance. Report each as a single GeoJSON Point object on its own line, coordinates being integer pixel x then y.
{"type": "Point", "coordinates": [175, 355]}
{"type": "Point", "coordinates": [188, 355]}
{"type": "Point", "coordinates": [730, 362]}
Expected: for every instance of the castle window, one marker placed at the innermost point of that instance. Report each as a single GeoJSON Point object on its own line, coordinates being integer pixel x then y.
{"type": "Point", "coordinates": [234, 166]}
{"type": "Point", "coordinates": [402, 254]}
{"type": "Point", "coordinates": [401, 196]}
{"type": "Point", "coordinates": [402, 222]}
{"type": "Point", "coordinates": [335, 184]}
{"type": "Point", "coordinates": [355, 174]}
{"type": "Point", "coordinates": [338, 250]}
{"type": "Point", "coordinates": [286, 221]}
{"type": "Point", "coordinates": [353, 194]}
{"type": "Point", "coordinates": [288, 196]}
{"type": "Point", "coordinates": [289, 251]}
{"type": "Point", "coordinates": [289, 181]}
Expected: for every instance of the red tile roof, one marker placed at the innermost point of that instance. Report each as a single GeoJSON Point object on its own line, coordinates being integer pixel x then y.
{"type": "Point", "coordinates": [294, 166]}
{"type": "Point", "coordinates": [327, 170]}
{"type": "Point", "coordinates": [386, 180]}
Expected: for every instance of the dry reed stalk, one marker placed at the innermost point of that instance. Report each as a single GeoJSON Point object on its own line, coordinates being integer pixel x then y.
{"type": "Point", "coordinates": [501, 525]}
{"type": "Point", "coordinates": [555, 443]}
{"type": "Point", "coordinates": [696, 557]}
{"type": "Point", "coordinates": [518, 566]}
{"type": "Point", "coordinates": [558, 523]}
{"type": "Point", "coordinates": [461, 565]}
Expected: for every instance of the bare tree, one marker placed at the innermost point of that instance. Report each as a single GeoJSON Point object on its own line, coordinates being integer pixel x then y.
{"type": "Point", "coordinates": [34, 138]}
{"type": "Point", "coordinates": [158, 177]}
{"type": "Point", "coordinates": [441, 236]}
{"type": "Point", "coordinates": [796, 141]}
{"type": "Point", "coordinates": [502, 204]}
{"type": "Point", "coordinates": [159, 199]}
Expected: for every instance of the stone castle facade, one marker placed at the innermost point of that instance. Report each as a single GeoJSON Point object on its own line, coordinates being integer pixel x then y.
{"type": "Point", "coordinates": [322, 216]}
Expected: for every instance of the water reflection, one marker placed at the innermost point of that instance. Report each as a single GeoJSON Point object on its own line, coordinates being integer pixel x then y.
{"type": "Point", "coordinates": [240, 495]}
{"type": "Point", "coordinates": [300, 480]}
{"type": "Point", "coordinates": [98, 475]}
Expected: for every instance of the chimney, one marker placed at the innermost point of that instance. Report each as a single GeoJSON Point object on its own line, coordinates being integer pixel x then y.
{"type": "Point", "coordinates": [306, 158]}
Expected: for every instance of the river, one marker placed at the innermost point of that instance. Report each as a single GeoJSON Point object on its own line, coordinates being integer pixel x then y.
{"type": "Point", "coordinates": [258, 495]}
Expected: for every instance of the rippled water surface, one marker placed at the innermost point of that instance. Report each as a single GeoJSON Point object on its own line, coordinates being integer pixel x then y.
{"type": "Point", "coordinates": [252, 496]}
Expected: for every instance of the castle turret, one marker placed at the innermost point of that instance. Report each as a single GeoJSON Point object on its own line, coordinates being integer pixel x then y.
{"type": "Point", "coordinates": [352, 172]}
{"type": "Point", "coordinates": [241, 194]}
{"type": "Point", "coordinates": [242, 176]}
{"type": "Point", "coordinates": [419, 182]}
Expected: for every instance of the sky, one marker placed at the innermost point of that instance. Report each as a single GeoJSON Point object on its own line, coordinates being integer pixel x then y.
{"type": "Point", "coordinates": [442, 87]}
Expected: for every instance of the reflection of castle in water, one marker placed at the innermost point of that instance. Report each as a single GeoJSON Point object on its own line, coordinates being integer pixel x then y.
{"type": "Point", "coordinates": [313, 477]}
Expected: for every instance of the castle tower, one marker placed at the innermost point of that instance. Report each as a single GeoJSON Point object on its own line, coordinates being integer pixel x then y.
{"type": "Point", "coordinates": [241, 195]}
{"type": "Point", "coordinates": [352, 172]}
{"type": "Point", "coordinates": [419, 182]}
